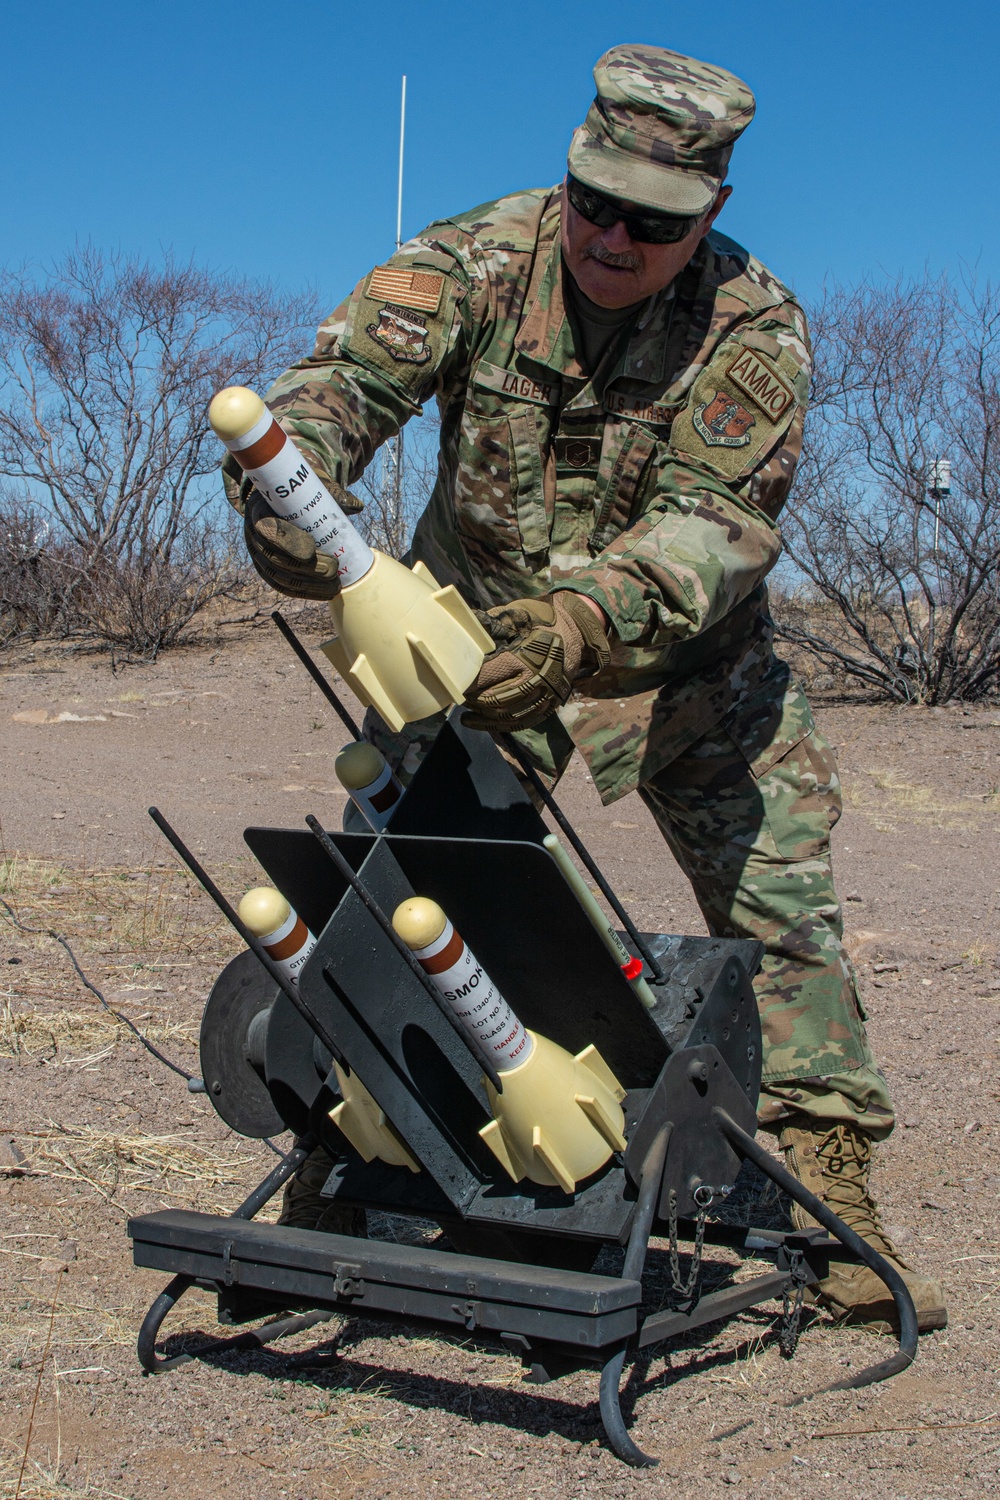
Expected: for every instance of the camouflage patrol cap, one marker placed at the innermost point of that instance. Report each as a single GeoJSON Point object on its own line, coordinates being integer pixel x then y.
{"type": "Point", "coordinates": [661, 130]}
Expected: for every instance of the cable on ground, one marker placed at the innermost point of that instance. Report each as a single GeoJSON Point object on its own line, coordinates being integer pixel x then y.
{"type": "Point", "coordinates": [150, 1047]}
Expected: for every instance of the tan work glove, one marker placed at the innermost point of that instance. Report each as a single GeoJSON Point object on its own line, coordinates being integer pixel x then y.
{"type": "Point", "coordinates": [548, 643]}
{"type": "Point", "coordinates": [284, 555]}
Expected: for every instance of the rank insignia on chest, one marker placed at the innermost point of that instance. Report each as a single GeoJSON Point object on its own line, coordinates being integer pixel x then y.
{"type": "Point", "coordinates": [402, 333]}
{"type": "Point", "coordinates": [723, 422]}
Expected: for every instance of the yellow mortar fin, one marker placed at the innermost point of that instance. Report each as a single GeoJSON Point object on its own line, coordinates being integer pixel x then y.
{"type": "Point", "coordinates": [594, 1062]}
{"type": "Point", "coordinates": [451, 600]}
{"type": "Point", "coordinates": [601, 1121]}
{"type": "Point", "coordinates": [407, 647]}
{"type": "Point", "coordinates": [421, 570]}
{"type": "Point", "coordinates": [433, 665]}
{"type": "Point", "coordinates": [543, 1150]}
{"type": "Point", "coordinates": [343, 1118]}
{"type": "Point", "coordinates": [365, 1124]}
{"type": "Point", "coordinates": [494, 1138]}
{"type": "Point", "coordinates": [363, 679]}
{"type": "Point", "coordinates": [552, 1140]}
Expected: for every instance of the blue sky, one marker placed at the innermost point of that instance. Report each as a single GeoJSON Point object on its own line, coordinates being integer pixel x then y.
{"type": "Point", "coordinates": [264, 138]}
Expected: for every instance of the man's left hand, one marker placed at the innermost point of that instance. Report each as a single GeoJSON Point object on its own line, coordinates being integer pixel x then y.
{"type": "Point", "coordinates": [545, 645]}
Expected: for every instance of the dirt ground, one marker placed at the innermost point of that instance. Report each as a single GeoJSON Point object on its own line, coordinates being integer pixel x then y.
{"type": "Point", "coordinates": [93, 1129]}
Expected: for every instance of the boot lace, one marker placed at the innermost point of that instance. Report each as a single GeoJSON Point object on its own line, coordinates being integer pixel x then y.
{"type": "Point", "coordinates": [844, 1157]}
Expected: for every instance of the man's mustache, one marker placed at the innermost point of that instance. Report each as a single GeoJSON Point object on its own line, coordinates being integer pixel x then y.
{"type": "Point", "coordinates": [625, 260]}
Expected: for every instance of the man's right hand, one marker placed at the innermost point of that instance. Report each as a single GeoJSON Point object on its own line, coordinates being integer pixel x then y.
{"type": "Point", "coordinates": [283, 554]}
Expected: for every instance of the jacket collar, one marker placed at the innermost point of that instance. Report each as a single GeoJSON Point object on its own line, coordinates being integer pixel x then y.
{"type": "Point", "coordinates": [546, 336]}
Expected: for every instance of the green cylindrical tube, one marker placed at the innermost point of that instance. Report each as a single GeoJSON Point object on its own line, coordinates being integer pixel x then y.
{"type": "Point", "coordinates": [612, 941]}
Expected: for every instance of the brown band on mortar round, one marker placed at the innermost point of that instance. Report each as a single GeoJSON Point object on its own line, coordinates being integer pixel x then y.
{"type": "Point", "coordinates": [386, 798]}
{"type": "Point", "coordinates": [264, 449]}
{"type": "Point", "coordinates": [449, 955]}
{"type": "Point", "coordinates": [290, 944]}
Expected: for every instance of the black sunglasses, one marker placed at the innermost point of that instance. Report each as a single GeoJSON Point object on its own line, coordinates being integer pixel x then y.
{"type": "Point", "coordinates": [647, 229]}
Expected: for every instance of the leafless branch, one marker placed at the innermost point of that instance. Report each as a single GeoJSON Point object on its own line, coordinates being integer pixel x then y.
{"type": "Point", "coordinates": [905, 373]}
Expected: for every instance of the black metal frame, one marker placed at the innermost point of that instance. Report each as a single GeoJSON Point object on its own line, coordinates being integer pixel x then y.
{"type": "Point", "coordinates": [691, 1068]}
{"type": "Point", "coordinates": [556, 1320]}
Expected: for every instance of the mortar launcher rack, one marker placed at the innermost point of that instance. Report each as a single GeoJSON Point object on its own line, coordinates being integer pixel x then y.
{"type": "Point", "coordinates": [518, 1274]}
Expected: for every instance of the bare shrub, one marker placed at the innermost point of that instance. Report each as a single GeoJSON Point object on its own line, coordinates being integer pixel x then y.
{"type": "Point", "coordinates": [895, 588]}
{"type": "Point", "coordinates": [394, 498]}
{"type": "Point", "coordinates": [107, 366]}
{"type": "Point", "coordinates": [31, 573]}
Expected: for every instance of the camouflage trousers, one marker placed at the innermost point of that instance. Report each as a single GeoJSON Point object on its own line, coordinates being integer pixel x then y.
{"type": "Point", "coordinates": [747, 812]}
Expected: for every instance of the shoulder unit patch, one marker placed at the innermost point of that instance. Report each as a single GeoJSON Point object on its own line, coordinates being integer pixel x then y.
{"type": "Point", "coordinates": [402, 333]}
{"type": "Point", "coordinates": [723, 422]}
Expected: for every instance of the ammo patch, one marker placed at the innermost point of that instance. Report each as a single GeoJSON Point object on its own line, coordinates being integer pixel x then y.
{"type": "Point", "coordinates": [402, 333]}
{"type": "Point", "coordinates": [757, 378]}
{"type": "Point", "coordinates": [723, 422]}
{"type": "Point", "coordinates": [420, 290]}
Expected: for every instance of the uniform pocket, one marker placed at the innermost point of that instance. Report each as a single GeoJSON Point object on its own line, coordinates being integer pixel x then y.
{"type": "Point", "coordinates": [500, 491]}
{"type": "Point", "coordinates": [483, 482]}
{"type": "Point", "coordinates": [792, 764]}
{"type": "Point", "coordinates": [532, 520]}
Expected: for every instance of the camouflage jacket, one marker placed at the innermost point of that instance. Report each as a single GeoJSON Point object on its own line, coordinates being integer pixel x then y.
{"type": "Point", "coordinates": [654, 489]}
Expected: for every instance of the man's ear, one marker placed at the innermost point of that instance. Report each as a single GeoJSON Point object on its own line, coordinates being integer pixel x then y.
{"type": "Point", "coordinates": [713, 213]}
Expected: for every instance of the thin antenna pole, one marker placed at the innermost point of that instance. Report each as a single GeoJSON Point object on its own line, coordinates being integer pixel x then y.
{"type": "Point", "coordinates": [393, 461]}
{"type": "Point", "coordinates": [402, 138]}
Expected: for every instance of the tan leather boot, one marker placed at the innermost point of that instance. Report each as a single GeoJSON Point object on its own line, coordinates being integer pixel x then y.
{"type": "Point", "coordinates": [304, 1207]}
{"type": "Point", "coordinates": [832, 1161]}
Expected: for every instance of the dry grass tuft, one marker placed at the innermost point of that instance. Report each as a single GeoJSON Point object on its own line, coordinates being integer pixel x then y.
{"type": "Point", "coordinates": [148, 912]}
{"type": "Point", "coordinates": [78, 1038]}
{"type": "Point", "coordinates": [887, 799]}
{"type": "Point", "coordinates": [47, 1479]}
{"type": "Point", "coordinates": [112, 1164]}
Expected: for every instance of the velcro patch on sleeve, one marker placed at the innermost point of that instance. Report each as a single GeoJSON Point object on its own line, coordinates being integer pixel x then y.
{"type": "Point", "coordinates": [399, 322]}
{"type": "Point", "coordinates": [739, 408]}
{"type": "Point", "coordinates": [420, 290]}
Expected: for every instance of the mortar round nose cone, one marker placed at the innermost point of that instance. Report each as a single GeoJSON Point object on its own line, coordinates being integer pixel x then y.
{"type": "Point", "coordinates": [358, 765]}
{"type": "Point", "coordinates": [263, 910]}
{"type": "Point", "coordinates": [234, 411]}
{"type": "Point", "coordinates": [419, 921]}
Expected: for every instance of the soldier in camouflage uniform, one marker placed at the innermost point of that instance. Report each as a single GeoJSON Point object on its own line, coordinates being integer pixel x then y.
{"type": "Point", "coordinates": [622, 395]}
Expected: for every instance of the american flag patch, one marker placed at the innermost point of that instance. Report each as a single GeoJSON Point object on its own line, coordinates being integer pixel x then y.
{"type": "Point", "coordinates": [419, 289]}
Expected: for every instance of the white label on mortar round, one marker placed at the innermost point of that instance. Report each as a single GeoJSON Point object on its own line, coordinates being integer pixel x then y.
{"type": "Point", "coordinates": [457, 974]}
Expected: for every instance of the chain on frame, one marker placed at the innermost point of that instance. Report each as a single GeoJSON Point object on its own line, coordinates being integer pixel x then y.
{"type": "Point", "coordinates": [790, 1325]}
{"type": "Point", "coordinates": [685, 1290]}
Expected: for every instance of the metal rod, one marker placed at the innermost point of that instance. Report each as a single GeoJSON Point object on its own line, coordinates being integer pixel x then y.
{"type": "Point", "coordinates": [175, 1289]}
{"type": "Point", "coordinates": [265, 1191]}
{"type": "Point", "coordinates": [290, 991]}
{"type": "Point", "coordinates": [635, 1258]}
{"type": "Point", "coordinates": [317, 676]}
{"type": "Point", "coordinates": [907, 1352]}
{"type": "Point", "coordinates": [145, 1344]}
{"type": "Point", "coordinates": [725, 1304]}
{"type": "Point", "coordinates": [588, 859]}
{"type": "Point", "coordinates": [642, 1223]}
{"type": "Point", "coordinates": [393, 457]}
{"type": "Point", "coordinates": [254, 1338]}
{"type": "Point", "coordinates": [365, 896]}
{"type": "Point", "coordinates": [614, 1422]}
{"type": "Point", "coordinates": [402, 138]}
